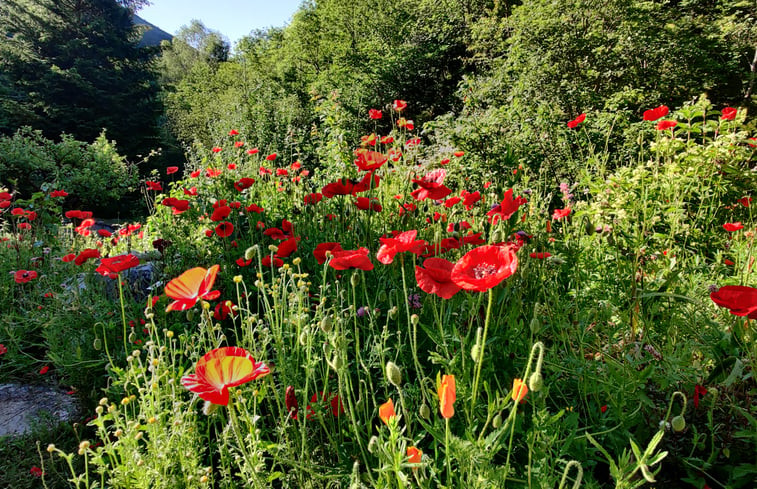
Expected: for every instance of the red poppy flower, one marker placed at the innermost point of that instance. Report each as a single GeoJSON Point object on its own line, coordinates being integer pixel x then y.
{"type": "Point", "coordinates": [320, 251]}
{"type": "Point", "coordinates": [44, 370]}
{"type": "Point", "coordinates": [24, 276]}
{"type": "Point", "coordinates": [399, 244]}
{"type": "Point", "coordinates": [436, 278]}
{"type": "Point", "coordinates": [340, 187]}
{"type": "Point", "coordinates": [431, 186]}
{"type": "Point", "coordinates": [69, 257]}
{"type": "Point", "coordinates": [656, 113]}
{"type": "Point", "coordinates": [666, 124]}
{"type": "Point", "coordinates": [217, 149]}
{"type": "Point", "coordinates": [225, 229]}
{"type": "Point", "coordinates": [459, 154]}
{"type": "Point", "coordinates": [387, 140]}
{"type": "Point", "coordinates": [237, 144]}
{"type": "Point", "coordinates": [505, 209]}
{"type": "Point", "coordinates": [3, 349]}
{"type": "Point", "coordinates": [346, 259]}
{"type": "Point", "coordinates": [733, 226]}
{"type": "Point", "coordinates": [485, 267]}
{"type": "Point", "coordinates": [242, 262]}
{"type": "Point", "coordinates": [313, 198]}
{"type": "Point", "coordinates": [745, 201]}
{"type": "Point", "coordinates": [233, 132]}
{"type": "Point", "coordinates": [59, 193]}
{"type": "Point", "coordinates": [540, 255]}
{"type": "Point", "coordinates": [375, 114]}
{"type": "Point", "coordinates": [220, 213]}
{"type": "Point", "coordinates": [192, 191]}
{"type": "Point", "coordinates": [399, 105]}
{"type": "Point", "coordinates": [190, 286]}
{"type": "Point", "coordinates": [447, 396]}
{"type": "Point", "coordinates": [195, 174]}
{"type": "Point", "coordinates": [4, 204]}
{"type": "Point", "coordinates": [282, 172]}
{"type": "Point", "coordinates": [287, 247]}
{"type": "Point", "coordinates": [470, 198]}
{"type": "Point", "coordinates": [364, 203]}
{"type": "Point", "coordinates": [269, 262]}
{"type": "Point", "coordinates": [156, 186]}
{"type": "Point", "coordinates": [110, 267]}
{"type": "Point", "coordinates": [220, 369]}
{"type": "Point", "coordinates": [740, 299]}
{"type": "Point", "coordinates": [370, 160]}
{"type": "Point", "coordinates": [337, 407]}
{"type": "Point", "coordinates": [698, 391]}
{"type": "Point", "coordinates": [243, 183]}
{"type": "Point", "coordinates": [728, 114]}
{"type": "Point", "coordinates": [271, 157]}
{"type": "Point", "coordinates": [36, 471]}
{"type": "Point", "coordinates": [171, 170]}
{"type": "Point", "coordinates": [728, 262]}
{"type": "Point", "coordinates": [290, 400]}
{"type": "Point", "coordinates": [578, 120]}
{"type": "Point", "coordinates": [213, 172]}
{"type": "Point", "coordinates": [560, 213]}
{"type": "Point", "coordinates": [86, 254]}
{"type": "Point", "coordinates": [222, 311]}
{"type": "Point", "coordinates": [254, 208]}
{"type": "Point", "coordinates": [253, 151]}
{"type": "Point", "coordinates": [369, 181]}
{"type": "Point", "coordinates": [26, 226]}
{"type": "Point", "coordinates": [369, 140]}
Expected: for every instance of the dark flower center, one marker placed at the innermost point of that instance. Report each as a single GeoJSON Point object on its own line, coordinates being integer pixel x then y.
{"type": "Point", "coordinates": [484, 270]}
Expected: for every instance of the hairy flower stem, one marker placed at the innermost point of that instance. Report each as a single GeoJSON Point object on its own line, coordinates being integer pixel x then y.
{"type": "Point", "coordinates": [446, 451]}
{"type": "Point", "coordinates": [480, 359]}
{"type": "Point", "coordinates": [414, 335]}
{"type": "Point", "coordinates": [123, 314]}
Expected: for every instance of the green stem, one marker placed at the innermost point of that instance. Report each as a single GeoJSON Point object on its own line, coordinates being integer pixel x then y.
{"type": "Point", "coordinates": [123, 314]}
{"type": "Point", "coordinates": [480, 359]}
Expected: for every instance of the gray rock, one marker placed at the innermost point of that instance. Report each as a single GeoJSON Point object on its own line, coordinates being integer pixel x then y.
{"type": "Point", "coordinates": [23, 407]}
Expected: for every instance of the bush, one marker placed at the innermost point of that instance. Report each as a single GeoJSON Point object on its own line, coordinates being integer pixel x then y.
{"type": "Point", "coordinates": [95, 174]}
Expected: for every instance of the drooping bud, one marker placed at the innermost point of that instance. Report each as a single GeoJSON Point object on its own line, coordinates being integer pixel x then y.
{"type": "Point", "coordinates": [250, 252]}
{"type": "Point", "coordinates": [97, 344]}
{"type": "Point", "coordinates": [678, 423]}
{"type": "Point", "coordinates": [327, 324]}
{"type": "Point", "coordinates": [497, 421]}
{"type": "Point", "coordinates": [393, 373]}
{"type": "Point", "coordinates": [425, 412]}
{"type": "Point", "coordinates": [355, 279]}
{"type": "Point", "coordinates": [535, 381]}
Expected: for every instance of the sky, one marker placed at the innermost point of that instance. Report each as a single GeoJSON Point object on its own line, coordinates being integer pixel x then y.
{"type": "Point", "coordinates": [232, 18]}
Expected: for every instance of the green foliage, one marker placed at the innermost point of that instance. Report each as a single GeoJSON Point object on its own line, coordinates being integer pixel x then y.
{"type": "Point", "coordinates": [94, 173]}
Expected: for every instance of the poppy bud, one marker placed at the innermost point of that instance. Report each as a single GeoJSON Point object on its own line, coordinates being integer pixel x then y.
{"type": "Point", "coordinates": [372, 444]}
{"type": "Point", "coordinates": [190, 315]}
{"type": "Point", "coordinates": [425, 412]}
{"type": "Point", "coordinates": [474, 352]}
{"type": "Point", "coordinates": [393, 312]}
{"type": "Point", "coordinates": [355, 279]}
{"type": "Point", "coordinates": [678, 423]}
{"type": "Point", "coordinates": [209, 408]}
{"type": "Point", "coordinates": [414, 319]}
{"type": "Point", "coordinates": [303, 339]}
{"type": "Point", "coordinates": [327, 324]}
{"type": "Point", "coordinates": [496, 236]}
{"type": "Point", "coordinates": [273, 248]}
{"type": "Point", "coordinates": [535, 381]}
{"type": "Point", "coordinates": [97, 344]}
{"type": "Point", "coordinates": [497, 421]}
{"type": "Point", "coordinates": [590, 229]}
{"type": "Point", "coordinates": [250, 252]}
{"type": "Point", "coordinates": [132, 337]}
{"type": "Point", "coordinates": [382, 296]}
{"type": "Point", "coordinates": [394, 374]}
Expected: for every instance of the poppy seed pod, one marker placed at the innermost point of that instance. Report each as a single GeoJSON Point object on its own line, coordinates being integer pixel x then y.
{"type": "Point", "coordinates": [393, 373]}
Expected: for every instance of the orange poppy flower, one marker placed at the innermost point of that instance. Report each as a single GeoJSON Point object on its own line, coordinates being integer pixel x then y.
{"type": "Point", "coordinates": [520, 389]}
{"type": "Point", "coordinates": [386, 412]}
{"type": "Point", "coordinates": [190, 286]}
{"type": "Point", "coordinates": [414, 455]}
{"type": "Point", "coordinates": [447, 396]}
{"type": "Point", "coordinates": [220, 369]}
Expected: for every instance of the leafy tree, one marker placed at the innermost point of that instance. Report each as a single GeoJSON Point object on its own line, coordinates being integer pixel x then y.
{"type": "Point", "coordinates": [74, 66]}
